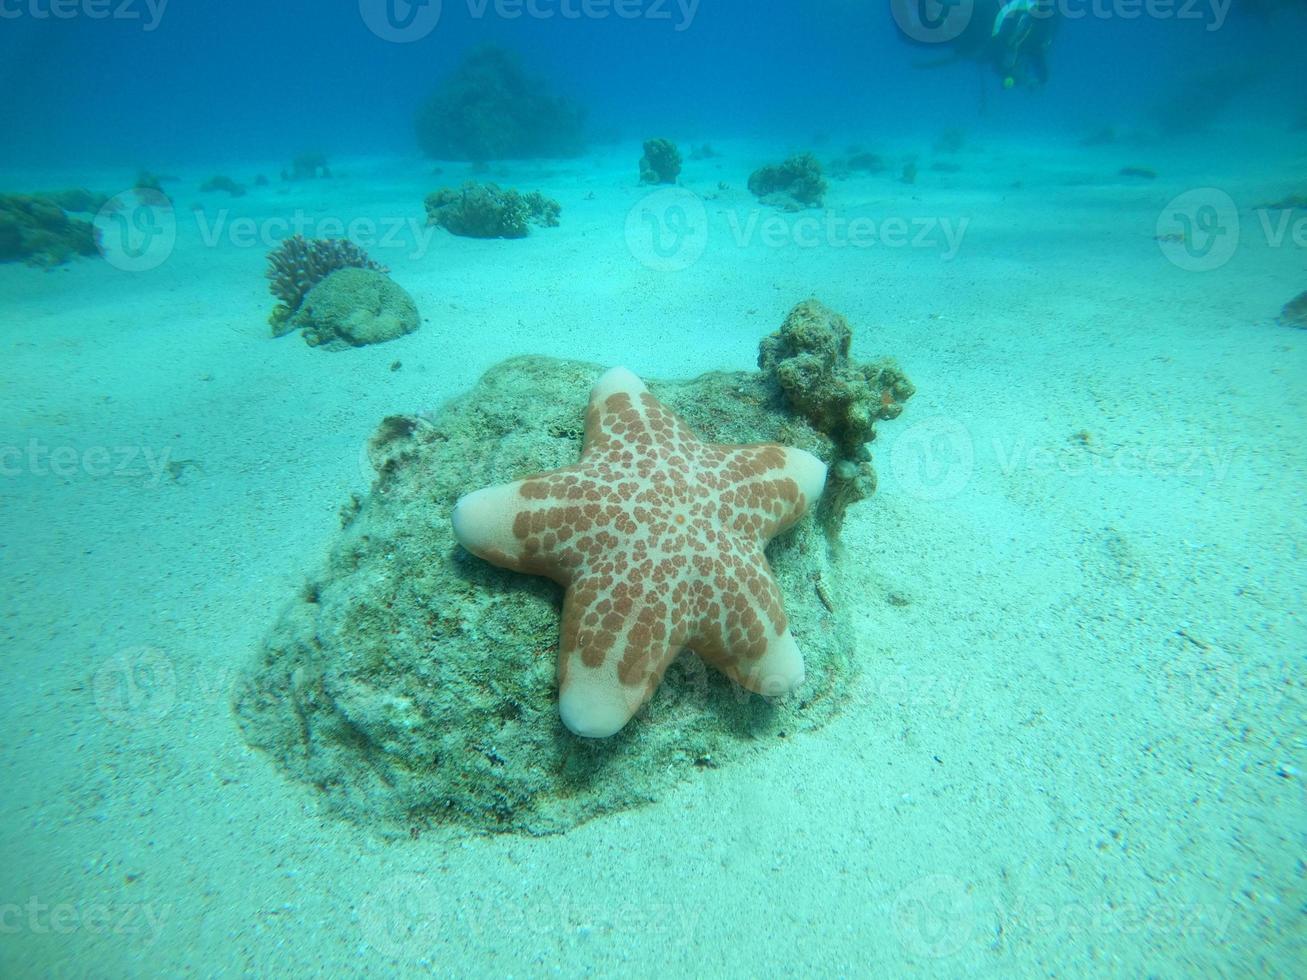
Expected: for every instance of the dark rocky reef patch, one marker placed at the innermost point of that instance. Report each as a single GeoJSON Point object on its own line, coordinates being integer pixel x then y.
{"type": "Point", "coordinates": [1294, 313]}
{"type": "Point", "coordinates": [487, 211]}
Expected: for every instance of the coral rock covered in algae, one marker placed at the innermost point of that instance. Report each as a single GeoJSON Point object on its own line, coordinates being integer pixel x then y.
{"type": "Point", "coordinates": [661, 163]}
{"type": "Point", "coordinates": [354, 307]}
{"type": "Point", "coordinates": [298, 264]}
{"type": "Point", "coordinates": [658, 539]}
{"type": "Point", "coordinates": [413, 683]}
{"type": "Point", "coordinates": [793, 185]}
{"type": "Point", "coordinates": [39, 228]}
{"type": "Point", "coordinates": [808, 358]}
{"type": "Point", "coordinates": [485, 211]}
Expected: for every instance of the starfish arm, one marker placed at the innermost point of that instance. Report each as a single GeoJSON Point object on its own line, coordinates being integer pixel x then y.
{"type": "Point", "coordinates": [616, 644]}
{"type": "Point", "coordinates": [612, 412]}
{"type": "Point", "coordinates": [519, 526]}
{"type": "Point", "coordinates": [771, 488]}
{"type": "Point", "coordinates": [742, 630]}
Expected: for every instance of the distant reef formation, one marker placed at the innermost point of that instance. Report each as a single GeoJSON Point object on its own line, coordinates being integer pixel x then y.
{"type": "Point", "coordinates": [491, 109]}
{"type": "Point", "coordinates": [487, 211]}
{"type": "Point", "coordinates": [411, 684]}
{"type": "Point", "coordinates": [44, 230]}
{"type": "Point", "coordinates": [661, 163]}
{"type": "Point", "coordinates": [793, 185]}
{"type": "Point", "coordinates": [334, 310]}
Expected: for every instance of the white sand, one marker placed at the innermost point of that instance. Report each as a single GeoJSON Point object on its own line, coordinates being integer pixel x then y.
{"type": "Point", "coordinates": [1076, 746]}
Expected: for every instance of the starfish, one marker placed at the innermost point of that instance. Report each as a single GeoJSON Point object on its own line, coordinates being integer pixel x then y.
{"type": "Point", "coordinates": [657, 538]}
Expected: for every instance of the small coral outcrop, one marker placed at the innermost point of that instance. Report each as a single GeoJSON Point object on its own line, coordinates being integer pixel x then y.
{"type": "Point", "coordinates": [486, 211]}
{"type": "Point", "coordinates": [661, 163]}
{"type": "Point", "coordinates": [792, 186]}
{"type": "Point", "coordinates": [307, 166]}
{"type": "Point", "coordinates": [40, 229]}
{"type": "Point", "coordinates": [298, 264]}
{"type": "Point", "coordinates": [223, 184]}
{"type": "Point", "coordinates": [354, 307]}
{"type": "Point", "coordinates": [490, 109]}
{"type": "Point", "coordinates": [808, 359]}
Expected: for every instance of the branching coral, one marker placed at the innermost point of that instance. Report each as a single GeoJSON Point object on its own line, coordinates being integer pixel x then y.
{"type": "Point", "coordinates": [809, 360]}
{"type": "Point", "coordinates": [298, 264]}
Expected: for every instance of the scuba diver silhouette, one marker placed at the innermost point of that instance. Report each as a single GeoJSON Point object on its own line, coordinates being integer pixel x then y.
{"type": "Point", "coordinates": [1010, 36]}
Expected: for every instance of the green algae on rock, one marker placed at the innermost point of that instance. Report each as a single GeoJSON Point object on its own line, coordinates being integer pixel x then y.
{"type": "Point", "coordinates": [413, 683]}
{"type": "Point", "coordinates": [353, 307]}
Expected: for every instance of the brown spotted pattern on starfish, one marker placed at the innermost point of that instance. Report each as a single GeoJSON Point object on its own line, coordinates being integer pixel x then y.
{"type": "Point", "coordinates": [658, 539]}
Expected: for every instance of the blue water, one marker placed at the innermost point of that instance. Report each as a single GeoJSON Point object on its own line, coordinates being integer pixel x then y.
{"type": "Point", "coordinates": [247, 79]}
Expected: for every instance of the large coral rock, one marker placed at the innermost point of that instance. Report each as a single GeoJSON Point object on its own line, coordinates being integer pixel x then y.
{"type": "Point", "coordinates": [354, 307]}
{"type": "Point", "coordinates": [412, 683]}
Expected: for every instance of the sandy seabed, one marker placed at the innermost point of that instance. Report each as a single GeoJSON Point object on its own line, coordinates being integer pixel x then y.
{"type": "Point", "coordinates": [1076, 745]}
